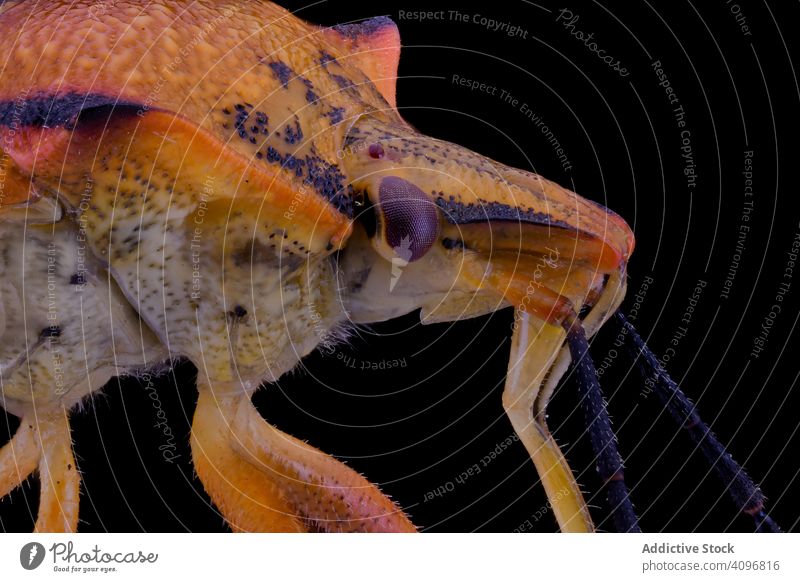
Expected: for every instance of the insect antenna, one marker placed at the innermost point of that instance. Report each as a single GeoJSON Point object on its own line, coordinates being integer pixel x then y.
{"type": "Point", "coordinates": [740, 487]}
{"type": "Point", "coordinates": [604, 441]}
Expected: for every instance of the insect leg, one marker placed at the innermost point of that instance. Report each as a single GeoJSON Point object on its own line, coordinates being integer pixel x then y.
{"type": "Point", "coordinates": [59, 480]}
{"type": "Point", "coordinates": [262, 479]}
{"type": "Point", "coordinates": [330, 495]}
{"type": "Point", "coordinates": [19, 457]}
{"type": "Point", "coordinates": [604, 442]}
{"type": "Point", "coordinates": [534, 347]}
{"type": "Point", "coordinates": [742, 490]}
{"type": "Point", "coordinates": [248, 500]}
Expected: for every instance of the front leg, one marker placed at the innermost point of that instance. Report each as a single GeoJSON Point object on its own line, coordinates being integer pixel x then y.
{"type": "Point", "coordinates": [262, 479]}
{"type": "Point", "coordinates": [534, 348]}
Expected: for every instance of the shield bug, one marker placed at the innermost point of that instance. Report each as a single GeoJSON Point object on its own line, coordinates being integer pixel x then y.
{"type": "Point", "coordinates": [235, 186]}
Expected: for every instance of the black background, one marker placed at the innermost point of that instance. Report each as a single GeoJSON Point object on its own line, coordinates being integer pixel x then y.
{"type": "Point", "coordinates": [415, 429]}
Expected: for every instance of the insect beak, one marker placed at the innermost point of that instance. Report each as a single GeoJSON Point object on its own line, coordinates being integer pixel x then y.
{"type": "Point", "coordinates": [459, 235]}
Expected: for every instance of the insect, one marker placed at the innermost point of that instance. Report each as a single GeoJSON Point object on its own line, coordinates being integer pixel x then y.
{"type": "Point", "coordinates": [235, 186]}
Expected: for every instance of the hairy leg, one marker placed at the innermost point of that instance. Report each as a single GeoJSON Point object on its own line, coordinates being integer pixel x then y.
{"type": "Point", "coordinates": [262, 479]}
{"type": "Point", "coordinates": [19, 457]}
{"type": "Point", "coordinates": [534, 347]}
{"type": "Point", "coordinates": [59, 481]}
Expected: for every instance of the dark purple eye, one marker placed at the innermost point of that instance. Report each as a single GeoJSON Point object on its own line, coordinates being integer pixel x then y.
{"type": "Point", "coordinates": [375, 151]}
{"type": "Point", "coordinates": [411, 220]}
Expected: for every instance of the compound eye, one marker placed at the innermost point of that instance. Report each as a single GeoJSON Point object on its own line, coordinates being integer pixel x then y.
{"type": "Point", "coordinates": [410, 219]}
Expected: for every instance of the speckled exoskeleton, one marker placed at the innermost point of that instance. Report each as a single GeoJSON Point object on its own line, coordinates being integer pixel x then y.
{"type": "Point", "coordinates": [223, 182]}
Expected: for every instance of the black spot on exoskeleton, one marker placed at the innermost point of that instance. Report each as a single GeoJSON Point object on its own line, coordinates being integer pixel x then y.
{"type": "Point", "coordinates": [325, 178]}
{"type": "Point", "coordinates": [343, 82]}
{"type": "Point", "coordinates": [51, 331]}
{"type": "Point", "coordinates": [335, 114]}
{"type": "Point", "coordinates": [282, 72]}
{"type": "Point", "coordinates": [451, 244]}
{"type": "Point", "coordinates": [293, 133]}
{"type": "Point", "coordinates": [326, 58]}
{"type": "Point", "coordinates": [42, 109]}
{"type": "Point", "coordinates": [292, 163]}
{"type": "Point", "coordinates": [456, 212]}
{"type": "Point", "coordinates": [330, 183]}
{"type": "Point", "coordinates": [584, 310]}
{"type": "Point", "coordinates": [365, 28]}
{"type": "Point", "coordinates": [241, 119]}
{"type": "Point", "coordinates": [273, 155]}
{"type": "Point", "coordinates": [239, 311]}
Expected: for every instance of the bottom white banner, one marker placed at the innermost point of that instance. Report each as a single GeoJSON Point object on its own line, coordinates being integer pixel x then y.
{"type": "Point", "coordinates": [389, 557]}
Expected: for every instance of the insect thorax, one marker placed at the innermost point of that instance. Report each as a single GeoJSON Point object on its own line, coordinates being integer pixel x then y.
{"type": "Point", "coordinates": [241, 300]}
